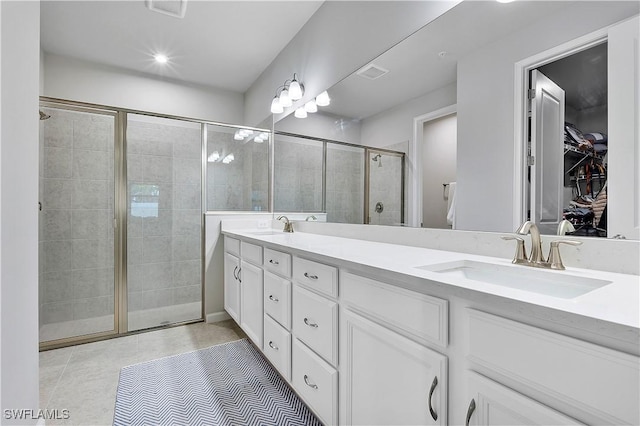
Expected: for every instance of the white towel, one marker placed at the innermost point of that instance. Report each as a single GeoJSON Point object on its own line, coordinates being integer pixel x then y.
{"type": "Point", "coordinates": [451, 205]}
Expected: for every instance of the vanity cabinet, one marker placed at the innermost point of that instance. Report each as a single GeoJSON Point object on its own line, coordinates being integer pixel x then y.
{"type": "Point", "coordinates": [592, 383]}
{"type": "Point", "coordinates": [493, 404]}
{"type": "Point", "coordinates": [243, 286]}
{"type": "Point", "coordinates": [387, 379]}
{"type": "Point", "coordinates": [360, 350]}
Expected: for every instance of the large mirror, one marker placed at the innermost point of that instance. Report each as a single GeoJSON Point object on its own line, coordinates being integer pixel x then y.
{"type": "Point", "coordinates": [450, 97]}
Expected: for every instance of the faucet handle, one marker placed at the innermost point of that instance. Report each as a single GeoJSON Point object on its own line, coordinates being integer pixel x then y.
{"type": "Point", "coordinates": [555, 261]}
{"type": "Point", "coordinates": [521, 252]}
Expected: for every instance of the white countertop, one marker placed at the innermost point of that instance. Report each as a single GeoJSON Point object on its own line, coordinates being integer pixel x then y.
{"type": "Point", "coordinates": [617, 303]}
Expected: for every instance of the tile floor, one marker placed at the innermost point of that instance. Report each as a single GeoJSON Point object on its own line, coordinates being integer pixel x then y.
{"type": "Point", "coordinates": [83, 379]}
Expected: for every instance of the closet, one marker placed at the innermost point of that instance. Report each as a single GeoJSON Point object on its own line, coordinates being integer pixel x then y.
{"type": "Point", "coordinates": [583, 78]}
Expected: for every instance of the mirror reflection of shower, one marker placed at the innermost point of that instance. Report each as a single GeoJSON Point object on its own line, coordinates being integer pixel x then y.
{"type": "Point", "coordinates": [378, 158]}
{"type": "Point", "coordinates": [44, 116]}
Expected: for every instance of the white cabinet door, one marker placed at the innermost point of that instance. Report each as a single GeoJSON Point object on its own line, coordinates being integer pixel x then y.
{"type": "Point", "coordinates": [493, 404]}
{"type": "Point", "coordinates": [387, 379]}
{"type": "Point", "coordinates": [232, 286]}
{"type": "Point", "coordinates": [251, 304]}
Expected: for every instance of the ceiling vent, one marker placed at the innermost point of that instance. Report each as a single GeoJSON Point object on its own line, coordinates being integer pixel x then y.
{"type": "Point", "coordinates": [175, 8]}
{"type": "Point", "coordinates": [372, 71]}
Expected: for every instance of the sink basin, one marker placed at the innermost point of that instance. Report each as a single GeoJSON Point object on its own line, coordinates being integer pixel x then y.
{"type": "Point", "coordinates": [551, 283]}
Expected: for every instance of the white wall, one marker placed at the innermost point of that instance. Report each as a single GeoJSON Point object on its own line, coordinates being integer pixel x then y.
{"type": "Point", "coordinates": [396, 124]}
{"type": "Point", "coordinates": [20, 50]}
{"type": "Point", "coordinates": [486, 111]}
{"type": "Point", "coordinates": [340, 37]}
{"type": "Point", "coordinates": [74, 79]}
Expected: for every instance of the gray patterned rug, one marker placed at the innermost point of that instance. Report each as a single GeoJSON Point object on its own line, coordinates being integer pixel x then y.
{"type": "Point", "coordinates": [228, 384]}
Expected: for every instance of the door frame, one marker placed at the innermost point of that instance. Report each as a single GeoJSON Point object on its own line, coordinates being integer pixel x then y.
{"type": "Point", "coordinates": [521, 107]}
{"type": "Point", "coordinates": [414, 161]}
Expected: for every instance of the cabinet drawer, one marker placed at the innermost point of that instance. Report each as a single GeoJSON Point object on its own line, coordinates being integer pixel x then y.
{"type": "Point", "coordinates": [277, 299]}
{"type": "Point", "coordinates": [232, 245]}
{"type": "Point", "coordinates": [277, 262]}
{"type": "Point", "coordinates": [251, 253]}
{"type": "Point", "coordinates": [599, 385]}
{"type": "Point", "coordinates": [316, 382]}
{"type": "Point", "coordinates": [320, 277]}
{"type": "Point", "coordinates": [422, 317]}
{"type": "Point", "coordinates": [277, 346]}
{"type": "Point", "coordinates": [315, 322]}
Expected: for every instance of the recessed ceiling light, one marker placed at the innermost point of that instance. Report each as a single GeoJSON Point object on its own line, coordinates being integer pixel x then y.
{"type": "Point", "coordinates": [160, 58]}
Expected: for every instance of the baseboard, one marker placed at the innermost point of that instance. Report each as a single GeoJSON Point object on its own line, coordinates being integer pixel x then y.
{"type": "Point", "coordinates": [217, 317]}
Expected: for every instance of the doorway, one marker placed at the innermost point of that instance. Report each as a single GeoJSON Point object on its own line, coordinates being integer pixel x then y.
{"type": "Point", "coordinates": [439, 150]}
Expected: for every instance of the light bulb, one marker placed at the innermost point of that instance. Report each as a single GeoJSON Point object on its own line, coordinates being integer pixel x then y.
{"type": "Point", "coordinates": [276, 107]}
{"type": "Point", "coordinates": [300, 113]}
{"type": "Point", "coordinates": [323, 99]}
{"type": "Point", "coordinates": [238, 135]}
{"type": "Point", "coordinates": [213, 157]}
{"type": "Point", "coordinates": [246, 132]}
{"type": "Point", "coordinates": [295, 91]}
{"type": "Point", "coordinates": [229, 158]}
{"type": "Point", "coordinates": [258, 139]}
{"type": "Point", "coordinates": [311, 106]}
{"type": "Point", "coordinates": [285, 100]}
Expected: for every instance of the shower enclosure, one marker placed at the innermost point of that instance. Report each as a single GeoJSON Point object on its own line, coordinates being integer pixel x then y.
{"type": "Point", "coordinates": [349, 183]}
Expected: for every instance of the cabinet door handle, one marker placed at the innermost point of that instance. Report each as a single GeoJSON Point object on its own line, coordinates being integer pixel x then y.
{"type": "Point", "coordinates": [234, 272]}
{"type": "Point", "coordinates": [274, 299]}
{"type": "Point", "coordinates": [239, 279]}
{"type": "Point", "coordinates": [311, 277]}
{"type": "Point", "coordinates": [470, 410]}
{"type": "Point", "coordinates": [434, 384]}
{"type": "Point", "coordinates": [311, 385]}
{"type": "Point", "coordinates": [274, 262]}
{"type": "Point", "coordinates": [310, 324]}
{"type": "Point", "coordinates": [272, 346]}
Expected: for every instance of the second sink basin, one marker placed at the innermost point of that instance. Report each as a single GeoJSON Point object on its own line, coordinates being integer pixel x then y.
{"type": "Point", "coordinates": [551, 283]}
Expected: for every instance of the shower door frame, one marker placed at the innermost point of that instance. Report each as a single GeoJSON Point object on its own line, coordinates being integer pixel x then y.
{"type": "Point", "coordinates": [367, 181]}
{"type": "Point", "coordinates": [118, 144]}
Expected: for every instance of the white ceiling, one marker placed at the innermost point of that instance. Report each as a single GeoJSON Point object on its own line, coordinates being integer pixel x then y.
{"type": "Point", "coordinates": [223, 44]}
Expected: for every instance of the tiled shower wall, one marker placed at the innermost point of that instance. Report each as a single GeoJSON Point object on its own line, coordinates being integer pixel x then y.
{"type": "Point", "coordinates": [298, 175]}
{"type": "Point", "coordinates": [75, 226]}
{"type": "Point", "coordinates": [243, 184]}
{"type": "Point", "coordinates": [384, 184]}
{"type": "Point", "coordinates": [164, 213]}
{"type": "Point", "coordinates": [345, 184]}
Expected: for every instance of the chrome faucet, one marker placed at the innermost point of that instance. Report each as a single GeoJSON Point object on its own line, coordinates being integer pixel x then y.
{"type": "Point", "coordinates": [288, 226]}
{"type": "Point", "coordinates": [536, 243]}
{"type": "Point", "coordinates": [311, 217]}
{"type": "Point", "coordinates": [554, 261]}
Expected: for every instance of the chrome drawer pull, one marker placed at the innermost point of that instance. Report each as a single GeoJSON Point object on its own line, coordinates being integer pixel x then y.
{"type": "Point", "coordinates": [272, 346]}
{"type": "Point", "coordinates": [434, 415]}
{"type": "Point", "coordinates": [311, 277]}
{"type": "Point", "coordinates": [274, 299]}
{"type": "Point", "coordinates": [472, 408]}
{"type": "Point", "coordinates": [310, 324]}
{"type": "Point", "coordinates": [234, 272]}
{"type": "Point", "coordinates": [274, 262]}
{"type": "Point", "coordinates": [311, 385]}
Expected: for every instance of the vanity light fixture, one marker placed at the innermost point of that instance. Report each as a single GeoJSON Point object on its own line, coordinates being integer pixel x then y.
{"type": "Point", "coordinates": [311, 106]}
{"type": "Point", "coordinates": [300, 113]}
{"type": "Point", "coordinates": [323, 99]}
{"type": "Point", "coordinates": [213, 157]}
{"type": "Point", "coordinates": [229, 158]}
{"type": "Point", "coordinates": [238, 135]}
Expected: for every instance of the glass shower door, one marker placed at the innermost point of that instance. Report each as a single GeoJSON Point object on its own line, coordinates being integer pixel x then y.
{"type": "Point", "coordinates": [164, 221]}
{"type": "Point", "coordinates": [76, 232]}
{"type": "Point", "coordinates": [385, 191]}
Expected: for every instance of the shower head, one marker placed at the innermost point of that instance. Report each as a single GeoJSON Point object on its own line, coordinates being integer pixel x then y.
{"type": "Point", "coordinates": [44, 116]}
{"type": "Point", "coordinates": [378, 159]}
